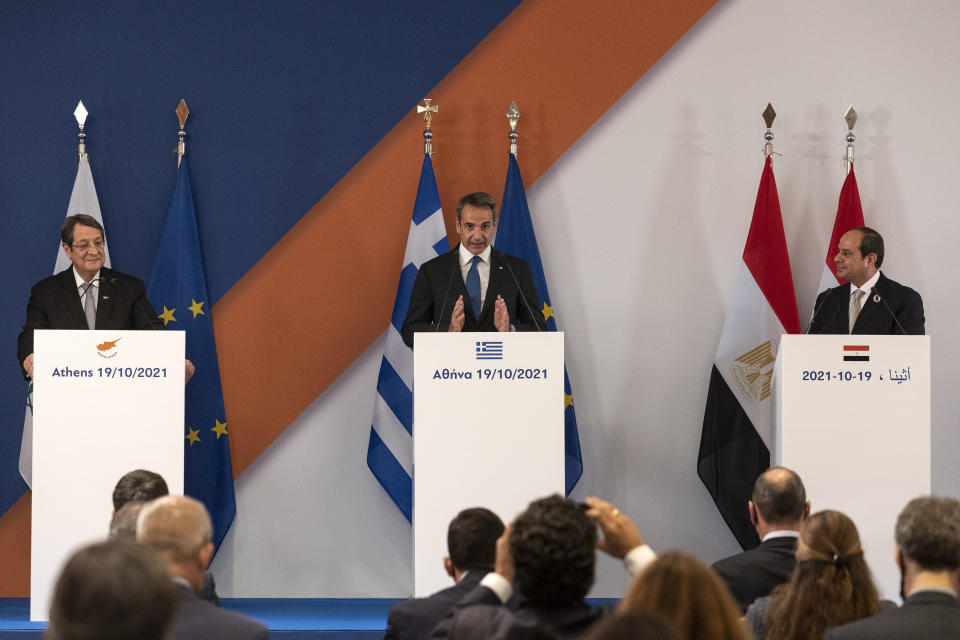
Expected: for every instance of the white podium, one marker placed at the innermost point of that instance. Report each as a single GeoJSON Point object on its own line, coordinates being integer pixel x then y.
{"type": "Point", "coordinates": [488, 432]}
{"type": "Point", "coordinates": [105, 402]}
{"type": "Point", "coordinates": [853, 419]}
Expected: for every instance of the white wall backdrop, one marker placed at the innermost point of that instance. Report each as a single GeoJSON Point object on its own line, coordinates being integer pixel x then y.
{"type": "Point", "coordinates": [641, 225]}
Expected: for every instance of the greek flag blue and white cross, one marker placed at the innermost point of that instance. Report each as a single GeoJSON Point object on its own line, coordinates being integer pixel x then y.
{"type": "Point", "coordinates": [390, 452]}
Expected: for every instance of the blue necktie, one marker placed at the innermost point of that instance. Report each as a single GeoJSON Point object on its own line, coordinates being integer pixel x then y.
{"type": "Point", "coordinates": [473, 287]}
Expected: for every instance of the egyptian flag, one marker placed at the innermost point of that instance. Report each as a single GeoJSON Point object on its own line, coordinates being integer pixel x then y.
{"type": "Point", "coordinates": [849, 216]}
{"type": "Point", "coordinates": [738, 420]}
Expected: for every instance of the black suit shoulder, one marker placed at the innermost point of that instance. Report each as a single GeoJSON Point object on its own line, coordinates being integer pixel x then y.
{"type": "Point", "coordinates": [415, 619]}
{"type": "Point", "coordinates": [928, 615]}
{"type": "Point", "coordinates": [754, 573]}
{"type": "Point", "coordinates": [889, 300]}
{"type": "Point", "coordinates": [198, 619]}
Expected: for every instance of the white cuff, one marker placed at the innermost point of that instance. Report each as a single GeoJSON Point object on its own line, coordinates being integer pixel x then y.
{"type": "Point", "coordinates": [638, 558]}
{"type": "Point", "coordinates": [500, 586]}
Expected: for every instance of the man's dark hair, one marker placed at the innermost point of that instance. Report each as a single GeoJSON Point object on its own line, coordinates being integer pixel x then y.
{"type": "Point", "coordinates": [123, 524]}
{"type": "Point", "coordinates": [553, 548]}
{"type": "Point", "coordinates": [478, 199]}
{"type": "Point", "coordinates": [66, 230]}
{"type": "Point", "coordinates": [113, 590]}
{"type": "Point", "coordinates": [472, 538]}
{"type": "Point", "coordinates": [139, 484]}
{"type": "Point", "coordinates": [780, 503]}
{"type": "Point", "coordinates": [870, 242]}
{"type": "Point", "coordinates": [928, 533]}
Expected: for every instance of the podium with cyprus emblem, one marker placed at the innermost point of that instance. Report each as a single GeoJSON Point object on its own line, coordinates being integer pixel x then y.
{"type": "Point", "coordinates": [104, 403]}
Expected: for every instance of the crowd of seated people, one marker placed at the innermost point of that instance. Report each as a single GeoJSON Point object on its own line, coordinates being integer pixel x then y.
{"type": "Point", "coordinates": [530, 579]}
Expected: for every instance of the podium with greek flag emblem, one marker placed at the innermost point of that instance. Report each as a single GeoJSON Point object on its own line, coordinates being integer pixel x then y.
{"type": "Point", "coordinates": [488, 431]}
{"type": "Point", "coordinates": [853, 420]}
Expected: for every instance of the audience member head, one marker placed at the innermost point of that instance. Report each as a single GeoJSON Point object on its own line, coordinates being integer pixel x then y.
{"type": "Point", "coordinates": [779, 501]}
{"type": "Point", "coordinates": [686, 593]}
{"type": "Point", "coordinates": [139, 485]}
{"type": "Point", "coordinates": [552, 545]}
{"type": "Point", "coordinates": [113, 590]}
{"type": "Point", "coordinates": [179, 530]}
{"type": "Point", "coordinates": [472, 541]}
{"type": "Point", "coordinates": [831, 584]}
{"type": "Point", "coordinates": [928, 543]}
{"type": "Point", "coordinates": [631, 626]}
{"type": "Point", "coordinates": [123, 524]}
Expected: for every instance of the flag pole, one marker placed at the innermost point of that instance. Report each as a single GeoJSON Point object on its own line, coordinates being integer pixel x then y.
{"type": "Point", "coordinates": [850, 117]}
{"type": "Point", "coordinates": [513, 114]}
{"type": "Point", "coordinates": [427, 110]}
{"type": "Point", "coordinates": [768, 117]}
{"type": "Point", "coordinates": [80, 113]}
{"type": "Point", "coordinates": [182, 113]}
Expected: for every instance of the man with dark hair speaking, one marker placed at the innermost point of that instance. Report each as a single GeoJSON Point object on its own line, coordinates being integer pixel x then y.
{"type": "Point", "coordinates": [472, 545]}
{"type": "Point", "coordinates": [872, 303]}
{"type": "Point", "coordinates": [474, 287]}
{"type": "Point", "coordinates": [86, 296]}
{"type": "Point", "coordinates": [777, 508]}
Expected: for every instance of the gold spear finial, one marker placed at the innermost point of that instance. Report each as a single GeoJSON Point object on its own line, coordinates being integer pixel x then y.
{"type": "Point", "coordinates": [769, 115]}
{"type": "Point", "coordinates": [427, 110]}
{"type": "Point", "coordinates": [182, 114]}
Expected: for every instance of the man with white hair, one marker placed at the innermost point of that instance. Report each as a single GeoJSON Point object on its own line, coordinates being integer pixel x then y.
{"type": "Point", "coordinates": [179, 530]}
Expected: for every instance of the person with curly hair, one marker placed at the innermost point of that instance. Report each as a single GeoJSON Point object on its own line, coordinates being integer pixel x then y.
{"type": "Point", "coordinates": [687, 594]}
{"type": "Point", "coordinates": [830, 586]}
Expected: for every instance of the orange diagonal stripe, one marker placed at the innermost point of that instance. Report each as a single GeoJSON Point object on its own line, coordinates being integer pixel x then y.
{"type": "Point", "coordinates": [325, 291]}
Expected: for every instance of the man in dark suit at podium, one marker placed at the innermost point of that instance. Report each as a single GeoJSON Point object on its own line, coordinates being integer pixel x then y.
{"type": "Point", "coordinates": [472, 545]}
{"type": "Point", "coordinates": [872, 303]}
{"type": "Point", "coordinates": [474, 287]}
{"type": "Point", "coordinates": [86, 296]}
{"type": "Point", "coordinates": [777, 508]}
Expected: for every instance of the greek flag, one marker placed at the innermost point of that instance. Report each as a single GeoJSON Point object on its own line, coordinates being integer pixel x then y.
{"type": "Point", "coordinates": [390, 452]}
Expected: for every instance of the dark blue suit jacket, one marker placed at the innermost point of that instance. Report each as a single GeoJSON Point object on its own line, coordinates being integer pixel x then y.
{"type": "Point", "coordinates": [832, 309]}
{"type": "Point", "coordinates": [439, 283]}
{"type": "Point", "coordinates": [197, 619]}
{"type": "Point", "coordinates": [415, 619]}
{"type": "Point", "coordinates": [754, 573]}
{"type": "Point", "coordinates": [926, 615]}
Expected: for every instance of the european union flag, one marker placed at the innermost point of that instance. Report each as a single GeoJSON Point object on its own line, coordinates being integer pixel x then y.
{"type": "Point", "coordinates": [515, 236]}
{"type": "Point", "coordinates": [178, 286]}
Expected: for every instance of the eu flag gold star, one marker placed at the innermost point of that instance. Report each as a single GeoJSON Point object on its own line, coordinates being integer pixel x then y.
{"type": "Point", "coordinates": [167, 315]}
{"type": "Point", "coordinates": [567, 400]}
{"type": "Point", "coordinates": [193, 435]}
{"type": "Point", "coordinates": [220, 429]}
{"type": "Point", "coordinates": [197, 308]}
{"type": "Point", "coordinates": [547, 312]}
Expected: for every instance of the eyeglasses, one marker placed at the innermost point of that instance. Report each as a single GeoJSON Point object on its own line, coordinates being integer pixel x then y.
{"type": "Point", "coordinates": [84, 245]}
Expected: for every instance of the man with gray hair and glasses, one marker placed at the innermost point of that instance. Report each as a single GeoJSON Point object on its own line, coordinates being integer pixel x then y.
{"type": "Point", "coordinates": [928, 554]}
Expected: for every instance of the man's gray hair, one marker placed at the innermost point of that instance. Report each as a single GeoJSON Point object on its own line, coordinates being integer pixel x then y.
{"type": "Point", "coordinates": [928, 533]}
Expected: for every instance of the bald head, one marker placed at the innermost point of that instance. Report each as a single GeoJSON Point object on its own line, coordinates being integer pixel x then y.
{"type": "Point", "coordinates": [780, 499]}
{"type": "Point", "coordinates": [176, 527]}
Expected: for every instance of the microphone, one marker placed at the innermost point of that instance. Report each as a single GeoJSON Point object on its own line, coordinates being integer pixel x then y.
{"type": "Point", "coordinates": [536, 322]}
{"type": "Point", "coordinates": [114, 281]}
{"type": "Point", "coordinates": [817, 310]}
{"type": "Point", "coordinates": [883, 299]}
{"type": "Point", "coordinates": [456, 265]}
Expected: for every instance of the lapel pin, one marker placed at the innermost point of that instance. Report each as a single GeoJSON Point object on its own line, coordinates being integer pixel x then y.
{"type": "Point", "coordinates": [876, 298]}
